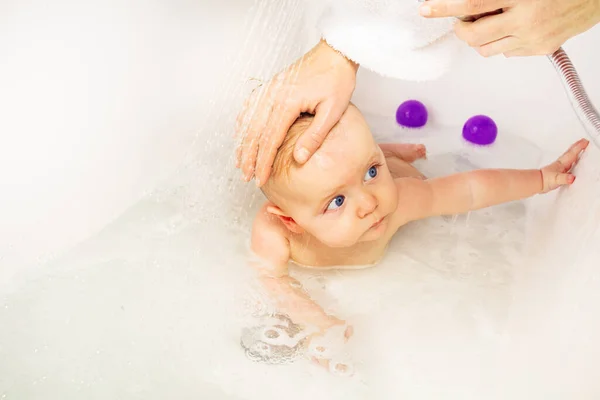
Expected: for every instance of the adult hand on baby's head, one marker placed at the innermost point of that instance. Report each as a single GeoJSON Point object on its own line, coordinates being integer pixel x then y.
{"type": "Point", "coordinates": [321, 82]}
{"type": "Point", "coordinates": [524, 28]}
{"type": "Point", "coordinates": [558, 173]}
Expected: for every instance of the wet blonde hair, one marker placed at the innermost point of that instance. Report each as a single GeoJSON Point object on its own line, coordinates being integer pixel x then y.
{"type": "Point", "coordinates": [284, 159]}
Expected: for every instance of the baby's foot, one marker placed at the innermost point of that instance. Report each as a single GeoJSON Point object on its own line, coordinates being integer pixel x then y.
{"type": "Point", "coordinates": [408, 152]}
{"type": "Point", "coordinates": [412, 152]}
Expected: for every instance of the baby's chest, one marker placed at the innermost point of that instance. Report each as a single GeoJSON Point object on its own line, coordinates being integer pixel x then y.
{"type": "Point", "coordinates": [320, 256]}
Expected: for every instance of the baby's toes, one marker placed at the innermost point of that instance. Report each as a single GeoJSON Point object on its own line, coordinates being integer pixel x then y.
{"type": "Point", "coordinates": [414, 152]}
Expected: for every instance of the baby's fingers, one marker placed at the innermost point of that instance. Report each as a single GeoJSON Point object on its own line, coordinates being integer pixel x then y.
{"type": "Point", "coordinates": [565, 179]}
{"type": "Point", "coordinates": [553, 180]}
{"type": "Point", "coordinates": [570, 156]}
{"type": "Point", "coordinates": [339, 368]}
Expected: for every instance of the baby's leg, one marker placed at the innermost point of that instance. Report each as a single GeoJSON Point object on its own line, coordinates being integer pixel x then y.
{"type": "Point", "coordinates": [405, 151]}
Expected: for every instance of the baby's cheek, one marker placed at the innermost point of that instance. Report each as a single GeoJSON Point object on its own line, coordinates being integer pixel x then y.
{"type": "Point", "coordinates": [389, 197]}
{"type": "Point", "coordinates": [343, 234]}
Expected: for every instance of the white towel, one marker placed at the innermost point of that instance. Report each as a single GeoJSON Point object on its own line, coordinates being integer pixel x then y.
{"type": "Point", "coordinates": [389, 37]}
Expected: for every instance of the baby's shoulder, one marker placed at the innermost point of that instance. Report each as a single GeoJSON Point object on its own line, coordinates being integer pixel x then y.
{"type": "Point", "coordinates": [269, 236]}
{"type": "Point", "coordinates": [406, 195]}
{"type": "Point", "coordinates": [266, 222]}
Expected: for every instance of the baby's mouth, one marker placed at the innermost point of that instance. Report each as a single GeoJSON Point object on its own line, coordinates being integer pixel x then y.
{"type": "Point", "coordinates": [376, 224]}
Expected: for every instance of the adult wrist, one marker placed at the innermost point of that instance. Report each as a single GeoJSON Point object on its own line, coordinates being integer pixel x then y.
{"type": "Point", "coordinates": [348, 60]}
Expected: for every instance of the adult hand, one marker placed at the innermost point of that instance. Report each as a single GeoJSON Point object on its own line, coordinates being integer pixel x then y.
{"type": "Point", "coordinates": [321, 82]}
{"type": "Point", "coordinates": [524, 28]}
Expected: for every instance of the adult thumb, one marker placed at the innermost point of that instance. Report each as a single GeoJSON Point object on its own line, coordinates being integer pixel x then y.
{"type": "Point", "coordinates": [326, 116]}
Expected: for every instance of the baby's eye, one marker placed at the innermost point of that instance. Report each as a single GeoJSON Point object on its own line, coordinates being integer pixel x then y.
{"type": "Point", "coordinates": [336, 203]}
{"type": "Point", "coordinates": [371, 173]}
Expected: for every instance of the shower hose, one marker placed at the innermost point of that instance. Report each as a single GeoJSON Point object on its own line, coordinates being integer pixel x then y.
{"type": "Point", "coordinates": [585, 110]}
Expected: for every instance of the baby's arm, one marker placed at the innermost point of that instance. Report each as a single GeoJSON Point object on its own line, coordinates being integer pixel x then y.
{"type": "Point", "coordinates": [270, 244]}
{"type": "Point", "coordinates": [474, 190]}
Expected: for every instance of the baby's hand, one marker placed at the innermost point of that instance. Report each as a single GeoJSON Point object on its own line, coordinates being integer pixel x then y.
{"type": "Point", "coordinates": [557, 174]}
{"type": "Point", "coordinates": [326, 347]}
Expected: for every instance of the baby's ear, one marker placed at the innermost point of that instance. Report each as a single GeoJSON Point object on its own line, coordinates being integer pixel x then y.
{"type": "Point", "coordinates": [288, 221]}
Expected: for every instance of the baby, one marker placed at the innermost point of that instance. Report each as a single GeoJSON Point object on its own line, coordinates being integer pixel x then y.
{"type": "Point", "coordinates": [341, 208]}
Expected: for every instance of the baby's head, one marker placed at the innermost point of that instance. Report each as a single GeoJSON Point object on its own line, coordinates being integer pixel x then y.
{"type": "Point", "coordinates": [343, 194]}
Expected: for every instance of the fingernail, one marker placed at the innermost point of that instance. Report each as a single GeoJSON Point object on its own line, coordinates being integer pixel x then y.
{"type": "Point", "coordinates": [302, 155]}
{"type": "Point", "coordinates": [425, 11]}
{"type": "Point", "coordinates": [257, 182]}
{"type": "Point", "coordinates": [571, 178]}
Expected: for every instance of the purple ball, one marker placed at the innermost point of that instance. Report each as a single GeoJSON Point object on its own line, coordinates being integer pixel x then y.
{"type": "Point", "coordinates": [480, 129]}
{"type": "Point", "coordinates": [411, 114]}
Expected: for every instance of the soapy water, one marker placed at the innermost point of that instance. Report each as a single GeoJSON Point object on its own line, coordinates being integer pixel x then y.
{"type": "Point", "coordinates": [279, 341]}
{"type": "Point", "coordinates": [478, 247]}
{"type": "Point", "coordinates": [162, 304]}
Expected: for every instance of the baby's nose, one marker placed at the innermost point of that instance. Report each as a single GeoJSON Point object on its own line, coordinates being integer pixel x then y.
{"type": "Point", "coordinates": [368, 204]}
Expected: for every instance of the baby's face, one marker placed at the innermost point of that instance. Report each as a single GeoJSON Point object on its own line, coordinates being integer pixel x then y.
{"type": "Point", "coordinates": [344, 194]}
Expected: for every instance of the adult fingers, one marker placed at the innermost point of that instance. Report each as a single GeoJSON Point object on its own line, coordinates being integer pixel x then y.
{"type": "Point", "coordinates": [245, 120]}
{"type": "Point", "coordinates": [250, 141]}
{"type": "Point", "coordinates": [528, 50]}
{"type": "Point", "coordinates": [458, 8]}
{"type": "Point", "coordinates": [485, 30]}
{"type": "Point", "coordinates": [518, 52]}
{"type": "Point", "coordinates": [241, 128]}
{"type": "Point", "coordinates": [501, 46]}
{"type": "Point", "coordinates": [327, 114]}
{"type": "Point", "coordinates": [279, 124]}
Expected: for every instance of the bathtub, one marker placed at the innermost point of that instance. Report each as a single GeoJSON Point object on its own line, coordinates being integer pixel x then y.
{"type": "Point", "coordinates": [124, 224]}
